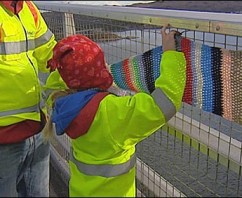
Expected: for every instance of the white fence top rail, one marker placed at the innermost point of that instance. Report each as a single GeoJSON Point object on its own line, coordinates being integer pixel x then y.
{"type": "Point", "coordinates": [78, 9]}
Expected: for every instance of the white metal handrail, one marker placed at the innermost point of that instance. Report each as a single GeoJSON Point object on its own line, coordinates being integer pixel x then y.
{"type": "Point", "coordinates": [193, 20]}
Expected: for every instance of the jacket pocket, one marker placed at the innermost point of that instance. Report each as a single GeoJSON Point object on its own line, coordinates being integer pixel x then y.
{"type": "Point", "coordinates": [11, 46]}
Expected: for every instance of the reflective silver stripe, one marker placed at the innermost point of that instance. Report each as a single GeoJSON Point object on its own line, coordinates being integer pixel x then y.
{"type": "Point", "coordinates": [31, 45]}
{"type": "Point", "coordinates": [14, 47]}
{"type": "Point", "coordinates": [34, 108]}
{"type": "Point", "coordinates": [165, 104]}
{"type": "Point", "coordinates": [7, 48]}
{"type": "Point", "coordinates": [42, 103]}
{"type": "Point", "coordinates": [47, 93]}
{"type": "Point", "coordinates": [104, 170]}
{"type": "Point", "coordinates": [43, 39]}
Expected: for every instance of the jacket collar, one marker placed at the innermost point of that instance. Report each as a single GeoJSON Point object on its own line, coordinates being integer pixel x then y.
{"type": "Point", "coordinates": [10, 5]}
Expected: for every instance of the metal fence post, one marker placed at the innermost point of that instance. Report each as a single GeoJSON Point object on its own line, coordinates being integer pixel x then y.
{"type": "Point", "coordinates": [69, 24]}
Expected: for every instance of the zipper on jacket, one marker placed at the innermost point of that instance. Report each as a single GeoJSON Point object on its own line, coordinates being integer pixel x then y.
{"type": "Point", "coordinates": [27, 49]}
{"type": "Point", "coordinates": [14, 4]}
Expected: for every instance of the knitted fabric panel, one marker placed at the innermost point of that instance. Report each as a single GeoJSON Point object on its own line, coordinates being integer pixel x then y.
{"type": "Point", "coordinates": [138, 73]}
{"type": "Point", "coordinates": [213, 76]}
{"type": "Point", "coordinates": [236, 83]}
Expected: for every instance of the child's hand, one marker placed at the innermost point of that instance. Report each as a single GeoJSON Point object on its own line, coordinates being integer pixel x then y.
{"type": "Point", "coordinates": [168, 39]}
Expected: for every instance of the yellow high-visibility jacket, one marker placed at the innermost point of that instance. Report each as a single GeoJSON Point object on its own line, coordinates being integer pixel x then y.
{"type": "Point", "coordinates": [26, 45]}
{"type": "Point", "coordinates": [102, 161]}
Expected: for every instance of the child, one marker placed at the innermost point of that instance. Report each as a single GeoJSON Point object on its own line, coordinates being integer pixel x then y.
{"type": "Point", "coordinates": [104, 128]}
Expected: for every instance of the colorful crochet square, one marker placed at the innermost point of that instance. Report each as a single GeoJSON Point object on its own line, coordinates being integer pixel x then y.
{"type": "Point", "coordinates": [213, 81]}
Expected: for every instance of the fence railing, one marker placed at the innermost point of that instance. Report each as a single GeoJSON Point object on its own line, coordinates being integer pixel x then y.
{"type": "Point", "coordinates": [197, 153]}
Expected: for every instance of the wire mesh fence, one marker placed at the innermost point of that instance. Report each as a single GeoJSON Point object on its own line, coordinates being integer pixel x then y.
{"type": "Point", "coordinates": [198, 153]}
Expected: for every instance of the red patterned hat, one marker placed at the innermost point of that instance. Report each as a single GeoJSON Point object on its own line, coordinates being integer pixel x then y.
{"type": "Point", "coordinates": [81, 63]}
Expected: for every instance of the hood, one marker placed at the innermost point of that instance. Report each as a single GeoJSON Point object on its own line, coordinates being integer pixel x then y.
{"type": "Point", "coordinates": [81, 63]}
{"type": "Point", "coordinates": [68, 107]}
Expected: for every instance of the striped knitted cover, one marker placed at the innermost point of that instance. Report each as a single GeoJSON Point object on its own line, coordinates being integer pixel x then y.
{"type": "Point", "coordinates": [213, 76]}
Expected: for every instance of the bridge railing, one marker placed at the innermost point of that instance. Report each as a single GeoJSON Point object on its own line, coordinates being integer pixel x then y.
{"type": "Point", "coordinates": [197, 153]}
